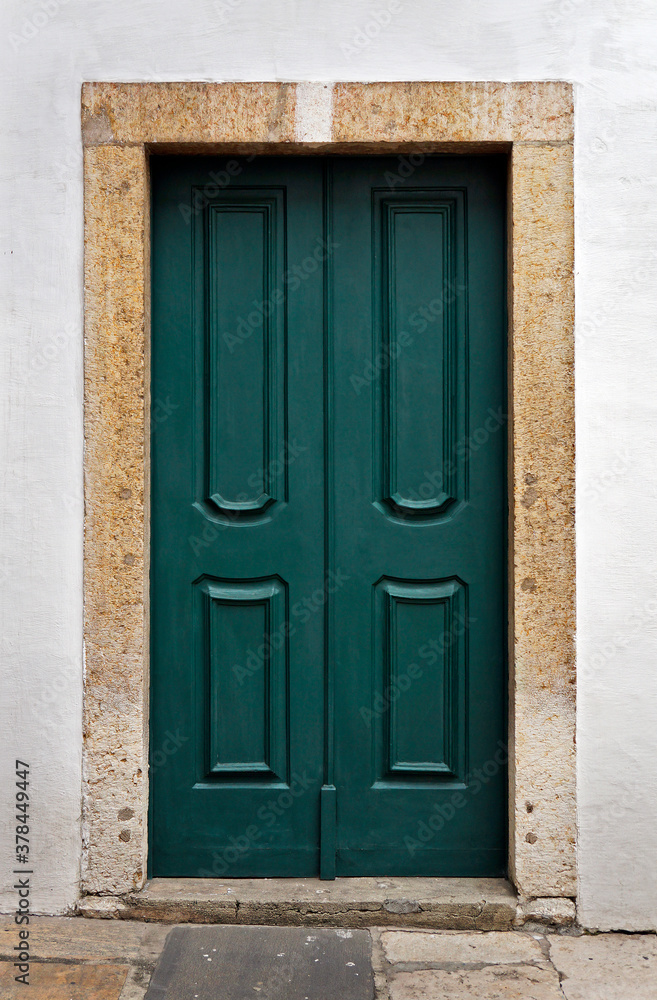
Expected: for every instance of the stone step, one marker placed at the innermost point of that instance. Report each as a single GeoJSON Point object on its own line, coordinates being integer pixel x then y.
{"type": "Point", "coordinates": [439, 903]}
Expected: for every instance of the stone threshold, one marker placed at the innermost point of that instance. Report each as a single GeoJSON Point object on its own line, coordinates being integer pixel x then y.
{"type": "Point", "coordinates": [483, 904]}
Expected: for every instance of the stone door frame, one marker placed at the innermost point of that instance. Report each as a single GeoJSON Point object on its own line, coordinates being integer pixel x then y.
{"type": "Point", "coordinates": [122, 125]}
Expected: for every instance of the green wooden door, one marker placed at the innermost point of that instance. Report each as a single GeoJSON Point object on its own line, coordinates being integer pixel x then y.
{"type": "Point", "coordinates": [328, 541]}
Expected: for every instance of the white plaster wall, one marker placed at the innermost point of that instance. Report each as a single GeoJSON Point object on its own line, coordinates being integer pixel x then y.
{"type": "Point", "coordinates": [608, 49]}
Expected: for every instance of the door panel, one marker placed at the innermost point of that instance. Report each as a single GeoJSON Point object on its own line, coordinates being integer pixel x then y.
{"type": "Point", "coordinates": [328, 517]}
{"type": "Point", "coordinates": [422, 727]}
{"type": "Point", "coordinates": [247, 709]}
{"type": "Point", "coordinates": [242, 246]}
{"type": "Point", "coordinates": [418, 264]}
{"type": "Point", "coordinates": [238, 494]}
{"type": "Point", "coordinates": [418, 439]}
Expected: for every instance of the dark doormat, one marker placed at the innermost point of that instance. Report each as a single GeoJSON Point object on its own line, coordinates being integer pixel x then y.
{"type": "Point", "coordinates": [263, 963]}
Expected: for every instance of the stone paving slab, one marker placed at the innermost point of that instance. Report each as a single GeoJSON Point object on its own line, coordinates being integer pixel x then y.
{"type": "Point", "coordinates": [74, 938]}
{"type": "Point", "coordinates": [447, 947]}
{"type": "Point", "coordinates": [606, 966]}
{"type": "Point", "coordinates": [64, 981]}
{"type": "Point", "coordinates": [129, 943]}
{"type": "Point", "coordinates": [278, 963]}
{"type": "Point", "coordinates": [504, 982]}
{"type": "Point", "coordinates": [75, 958]}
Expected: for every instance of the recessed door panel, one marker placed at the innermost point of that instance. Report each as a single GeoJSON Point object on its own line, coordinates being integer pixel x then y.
{"type": "Point", "coordinates": [420, 318]}
{"type": "Point", "coordinates": [420, 672]}
{"type": "Point", "coordinates": [244, 689]}
{"type": "Point", "coordinates": [240, 238]}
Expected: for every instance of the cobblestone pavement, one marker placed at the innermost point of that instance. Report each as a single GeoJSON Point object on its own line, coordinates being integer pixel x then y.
{"type": "Point", "coordinates": [72, 958]}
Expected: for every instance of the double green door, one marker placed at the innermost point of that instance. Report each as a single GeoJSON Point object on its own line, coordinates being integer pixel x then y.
{"type": "Point", "coordinates": [328, 517]}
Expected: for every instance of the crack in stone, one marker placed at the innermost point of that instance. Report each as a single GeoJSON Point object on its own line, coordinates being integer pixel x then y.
{"type": "Point", "coordinates": [462, 966]}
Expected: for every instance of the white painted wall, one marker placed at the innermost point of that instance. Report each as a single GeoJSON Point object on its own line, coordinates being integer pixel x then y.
{"type": "Point", "coordinates": [608, 49]}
